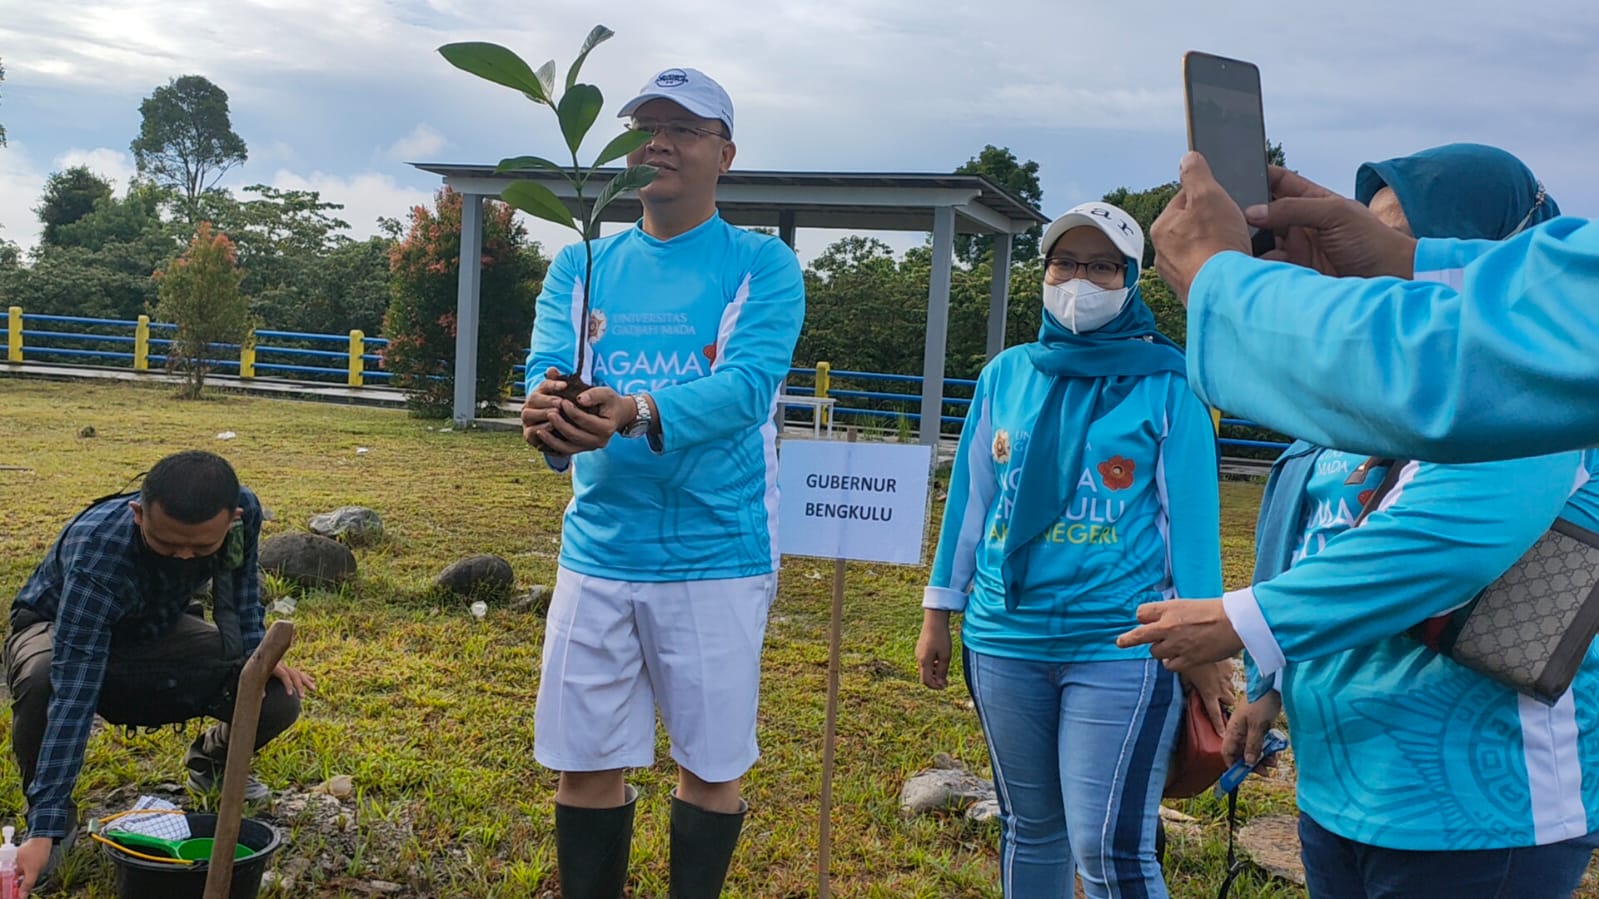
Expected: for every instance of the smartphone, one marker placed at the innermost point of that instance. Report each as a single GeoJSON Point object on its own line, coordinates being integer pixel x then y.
{"type": "Point", "coordinates": [1227, 124]}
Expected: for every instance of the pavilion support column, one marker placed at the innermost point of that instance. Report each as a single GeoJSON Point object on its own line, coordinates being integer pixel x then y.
{"type": "Point", "coordinates": [785, 227]}
{"type": "Point", "coordinates": [466, 309]}
{"type": "Point", "coordinates": [999, 294]}
{"type": "Point", "coordinates": [785, 233]}
{"type": "Point", "coordinates": [937, 324]}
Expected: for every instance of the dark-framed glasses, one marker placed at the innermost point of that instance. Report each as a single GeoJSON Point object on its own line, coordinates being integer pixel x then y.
{"type": "Point", "coordinates": [1064, 268]}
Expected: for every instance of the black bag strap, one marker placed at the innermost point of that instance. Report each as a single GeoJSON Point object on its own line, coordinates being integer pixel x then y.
{"type": "Point", "coordinates": [1235, 866]}
{"type": "Point", "coordinates": [1386, 486]}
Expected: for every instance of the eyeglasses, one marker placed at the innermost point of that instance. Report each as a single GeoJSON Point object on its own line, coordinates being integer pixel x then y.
{"type": "Point", "coordinates": [1064, 268]}
{"type": "Point", "coordinates": [676, 132]}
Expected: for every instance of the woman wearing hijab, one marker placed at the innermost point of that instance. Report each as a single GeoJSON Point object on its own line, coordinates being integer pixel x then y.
{"type": "Point", "coordinates": [1418, 777]}
{"type": "Point", "coordinates": [1460, 191]}
{"type": "Point", "coordinates": [1084, 484]}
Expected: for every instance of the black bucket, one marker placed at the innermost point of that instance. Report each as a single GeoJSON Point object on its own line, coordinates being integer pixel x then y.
{"type": "Point", "coordinates": [140, 879]}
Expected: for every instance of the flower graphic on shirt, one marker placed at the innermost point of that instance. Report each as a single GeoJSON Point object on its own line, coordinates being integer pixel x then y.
{"type": "Point", "coordinates": [596, 326]}
{"type": "Point", "coordinates": [709, 352]}
{"type": "Point", "coordinates": [1117, 473]}
{"type": "Point", "coordinates": [1001, 446]}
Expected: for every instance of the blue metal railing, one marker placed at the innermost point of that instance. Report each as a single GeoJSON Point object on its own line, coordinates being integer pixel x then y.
{"type": "Point", "coordinates": [866, 398]}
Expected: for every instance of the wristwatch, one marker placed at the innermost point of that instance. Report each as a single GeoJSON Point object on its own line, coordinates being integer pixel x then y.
{"type": "Point", "coordinates": [640, 425]}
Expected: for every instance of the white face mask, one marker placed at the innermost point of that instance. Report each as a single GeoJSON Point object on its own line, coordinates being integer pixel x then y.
{"type": "Point", "coordinates": [1084, 306]}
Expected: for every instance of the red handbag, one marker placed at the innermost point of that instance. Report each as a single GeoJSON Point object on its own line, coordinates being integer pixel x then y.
{"type": "Point", "coordinates": [1197, 761]}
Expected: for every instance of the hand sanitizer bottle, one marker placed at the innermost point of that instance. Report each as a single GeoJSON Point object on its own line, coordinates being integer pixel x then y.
{"type": "Point", "coordinates": [9, 885]}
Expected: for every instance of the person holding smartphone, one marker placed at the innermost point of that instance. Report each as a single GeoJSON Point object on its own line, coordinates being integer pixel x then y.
{"type": "Point", "coordinates": [1495, 358]}
{"type": "Point", "coordinates": [1417, 777]}
{"type": "Point", "coordinates": [1084, 483]}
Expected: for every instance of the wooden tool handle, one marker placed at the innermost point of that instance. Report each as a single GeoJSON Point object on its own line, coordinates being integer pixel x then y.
{"type": "Point", "coordinates": [241, 750]}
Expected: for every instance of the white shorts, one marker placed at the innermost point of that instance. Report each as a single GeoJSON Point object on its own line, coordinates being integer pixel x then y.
{"type": "Point", "coordinates": [615, 650]}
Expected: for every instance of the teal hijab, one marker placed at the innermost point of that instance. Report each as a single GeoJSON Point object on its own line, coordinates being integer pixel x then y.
{"type": "Point", "coordinates": [1090, 374]}
{"type": "Point", "coordinates": [1463, 191]}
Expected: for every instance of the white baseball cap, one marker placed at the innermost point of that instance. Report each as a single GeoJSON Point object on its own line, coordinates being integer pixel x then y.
{"type": "Point", "coordinates": [691, 89]}
{"type": "Point", "coordinates": [1116, 224]}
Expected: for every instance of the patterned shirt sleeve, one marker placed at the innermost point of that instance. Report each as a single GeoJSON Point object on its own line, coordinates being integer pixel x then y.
{"type": "Point", "coordinates": [90, 559]}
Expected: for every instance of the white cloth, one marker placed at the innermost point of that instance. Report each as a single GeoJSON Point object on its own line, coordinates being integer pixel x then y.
{"type": "Point", "coordinates": [165, 826]}
{"type": "Point", "coordinates": [614, 651]}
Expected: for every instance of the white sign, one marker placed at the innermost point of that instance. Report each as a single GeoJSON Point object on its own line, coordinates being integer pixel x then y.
{"type": "Point", "coordinates": [863, 501]}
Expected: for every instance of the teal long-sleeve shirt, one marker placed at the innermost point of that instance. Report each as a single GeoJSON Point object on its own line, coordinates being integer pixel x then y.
{"type": "Point", "coordinates": [705, 323]}
{"type": "Point", "coordinates": [1398, 746]}
{"type": "Point", "coordinates": [1142, 525]}
{"type": "Point", "coordinates": [1492, 353]}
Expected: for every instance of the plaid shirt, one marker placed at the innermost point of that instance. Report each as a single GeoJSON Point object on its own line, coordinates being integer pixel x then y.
{"type": "Point", "coordinates": [95, 586]}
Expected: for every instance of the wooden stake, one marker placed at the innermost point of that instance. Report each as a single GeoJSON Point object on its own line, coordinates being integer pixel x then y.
{"type": "Point", "coordinates": [824, 855]}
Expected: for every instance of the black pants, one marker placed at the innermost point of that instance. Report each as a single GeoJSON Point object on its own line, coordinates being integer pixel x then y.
{"type": "Point", "coordinates": [190, 644]}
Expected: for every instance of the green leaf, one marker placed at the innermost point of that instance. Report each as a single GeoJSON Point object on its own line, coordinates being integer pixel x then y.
{"type": "Point", "coordinates": [546, 77]}
{"type": "Point", "coordinates": [599, 35]}
{"type": "Point", "coordinates": [513, 163]}
{"type": "Point", "coordinates": [495, 63]}
{"type": "Point", "coordinates": [620, 146]}
{"type": "Point", "coordinates": [631, 178]}
{"type": "Point", "coordinates": [537, 200]}
{"type": "Point", "coordinates": [580, 105]}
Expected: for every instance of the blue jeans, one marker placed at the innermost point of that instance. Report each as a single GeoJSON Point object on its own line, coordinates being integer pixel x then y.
{"type": "Point", "coordinates": [1080, 752]}
{"type": "Point", "coordinates": [1338, 868]}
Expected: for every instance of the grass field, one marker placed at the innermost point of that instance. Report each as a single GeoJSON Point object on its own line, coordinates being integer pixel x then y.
{"type": "Point", "coordinates": [430, 710]}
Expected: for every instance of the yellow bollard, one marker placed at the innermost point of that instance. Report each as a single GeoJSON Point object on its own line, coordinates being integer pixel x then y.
{"type": "Point", "coordinates": [357, 347]}
{"type": "Point", "coordinates": [141, 344]}
{"type": "Point", "coordinates": [823, 381]}
{"type": "Point", "coordinates": [247, 355]}
{"type": "Point", "coordinates": [14, 335]}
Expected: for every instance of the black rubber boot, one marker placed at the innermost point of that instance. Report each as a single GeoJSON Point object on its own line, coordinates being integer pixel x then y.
{"type": "Point", "coordinates": [591, 848]}
{"type": "Point", "coordinates": [702, 848]}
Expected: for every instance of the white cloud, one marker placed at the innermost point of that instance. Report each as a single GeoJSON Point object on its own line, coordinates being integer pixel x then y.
{"type": "Point", "coordinates": [1091, 92]}
{"type": "Point", "coordinates": [20, 184]}
{"type": "Point", "coordinates": [421, 145]}
{"type": "Point", "coordinates": [115, 166]}
{"type": "Point", "coordinates": [366, 196]}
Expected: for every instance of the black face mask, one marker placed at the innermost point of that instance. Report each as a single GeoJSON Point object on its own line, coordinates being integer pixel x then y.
{"type": "Point", "coordinates": [172, 566]}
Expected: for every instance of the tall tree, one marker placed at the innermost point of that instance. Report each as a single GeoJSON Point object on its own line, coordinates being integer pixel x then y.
{"type": "Point", "coordinates": [186, 140]}
{"type": "Point", "coordinates": [2, 127]}
{"type": "Point", "coordinates": [1000, 165]}
{"type": "Point", "coordinates": [69, 195]}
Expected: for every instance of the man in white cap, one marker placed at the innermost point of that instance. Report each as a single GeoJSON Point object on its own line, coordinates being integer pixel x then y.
{"type": "Point", "coordinates": [669, 553]}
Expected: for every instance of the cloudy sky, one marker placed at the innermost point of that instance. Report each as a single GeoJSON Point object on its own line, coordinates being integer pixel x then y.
{"type": "Point", "coordinates": [339, 96]}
